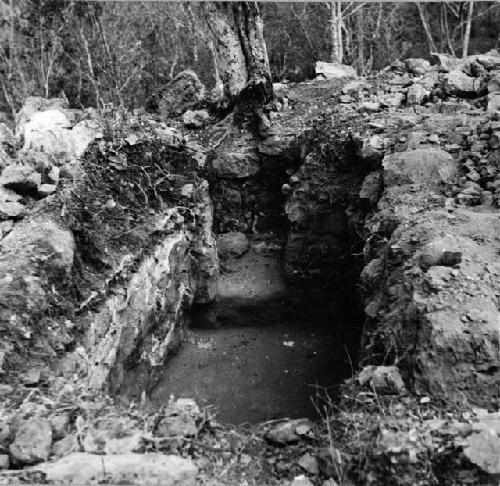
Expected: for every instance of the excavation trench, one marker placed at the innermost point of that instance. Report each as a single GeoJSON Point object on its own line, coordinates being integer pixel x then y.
{"type": "Point", "coordinates": [272, 344]}
{"type": "Point", "coordinates": [262, 356]}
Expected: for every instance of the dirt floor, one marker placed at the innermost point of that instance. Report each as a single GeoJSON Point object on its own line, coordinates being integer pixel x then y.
{"type": "Point", "coordinates": [260, 359]}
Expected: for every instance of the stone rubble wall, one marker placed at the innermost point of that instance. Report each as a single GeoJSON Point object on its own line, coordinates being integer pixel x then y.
{"type": "Point", "coordinates": [401, 177]}
{"type": "Point", "coordinates": [90, 311]}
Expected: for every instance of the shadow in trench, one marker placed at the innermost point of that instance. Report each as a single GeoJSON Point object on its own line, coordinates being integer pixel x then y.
{"type": "Point", "coordinates": [261, 352]}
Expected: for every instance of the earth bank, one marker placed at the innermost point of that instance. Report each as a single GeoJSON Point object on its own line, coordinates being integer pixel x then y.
{"type": "Point", "coordinates": [384, 191]}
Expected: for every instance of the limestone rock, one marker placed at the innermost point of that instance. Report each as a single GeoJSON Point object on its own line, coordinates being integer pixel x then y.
{"type": "Point", "coordinates": [168, 135]}
{"type": "Point", "coordinates": [5, 390]}
{"type": "Point", "coordinates": [60, 425]}
{"type": "Point", "coordinates": [124, 445]}
{"type": "Point", "coordinates": [280, 90]}
{"type": "Point", "coordinates": [387, 380]}
{"type": "Point", "coordinates": [236, 165]}
{"type": "Point", "coordinates": [495, 140]}
{"type": "Point", "coordinates": [232, 245]}
{"type": "Point", "coordinates": [373, 148]}
{"type": "Point", "coordinates": [417, 66]}
{"type": "Point", "coordinates": [7, 195]}
{"type": "Point", "coordinates": [331, 462]}
{"type": "Point", "coordinates": [483, 450]}
{"type": "Point", "coordinates": [5, 160]}
{"type": "Point", "coordinates": [278, 145]}
{"type": "Point", "coordinates": [65, 446]}
{"type": "Point", "coordinates": [21, 179]}
{"type": "Point", "coordinates": [6, 135]}
{"type": "Point", "coordinates": [182, 425]}
{"type": "Point", "coordinates": [392, 99]}
{"type": "Point", "coordinates": [180, 419]}
{"type": "Point", "coordinates": [4, 461]}
{"type": "Point", "coordinates": [195, 118]}
{"type": "Point", "coordinates": [494, 102]}
{"type": "Point", "coordinates": [371, 188]}
{"type": "Point", "coordinates": [309, 464]}
{"type": "Point", "coordinates": [301, 480]}
{"type": "Point", "coordinates": [417, 94]}
{"type": "Point", "coordinates": [11, 210]}
{"type": "Point", "coordinates": [5, 228]}
{"type": "Point", "coordinates": [383, 379]}
{"type": "Point", "coordinates": [152, 469]}
{"type": "Point", "coordinates": [459, 83]}
{"type": "Point", "coordinates": [426, 166]}
{"type": "Point", "coordinates": [329, 70]}
{"type": "Point", "coordinates": [288, 432]}
{"type": "Point", "coordinates": [494, 84]}
{"type": "Point", "coordinates": [32, 442]}
{"type": "Point", "coordinates": [35, 104]}
{"type": "Point", "coordinates": [50, 132]}
{"type": "Point", "coordinates": [443, 251]}
{"type": "Point", "coordinates": [183, 93]}
{"type": "Point", "coordinates": [47, 189]}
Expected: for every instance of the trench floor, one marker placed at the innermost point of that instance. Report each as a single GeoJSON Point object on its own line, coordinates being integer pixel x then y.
{"type": "Point", "coordinates": [261, 358]}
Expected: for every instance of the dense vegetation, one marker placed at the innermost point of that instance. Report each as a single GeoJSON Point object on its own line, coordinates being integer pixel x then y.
{"type": "Point", "coordinates": [124, 52]}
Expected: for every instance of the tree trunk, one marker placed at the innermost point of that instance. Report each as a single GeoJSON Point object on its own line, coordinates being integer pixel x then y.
{"type": "Point", "coordinates": [240, 52]}
{"type": "Point", "coordinates": [427, 28]}
{"type": "Point", "coordinates": [466, 40]}
{"type": "Point", "coordinates": [360, 40]}
{"type": "Point", "coordinates": [336, 32]}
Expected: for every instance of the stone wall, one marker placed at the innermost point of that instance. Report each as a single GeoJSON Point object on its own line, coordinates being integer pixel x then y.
{"type": "Point", "coordinates": [97, 274]}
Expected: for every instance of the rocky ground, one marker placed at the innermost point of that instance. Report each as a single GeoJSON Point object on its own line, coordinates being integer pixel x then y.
{"type": "Point", "coordinates": [384, 191]}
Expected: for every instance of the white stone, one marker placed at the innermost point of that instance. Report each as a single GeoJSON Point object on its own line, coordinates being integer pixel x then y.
{"type": "Point", "coordinates": [330, 70]}
{"type": "Point", "coordinates": [153, 469]}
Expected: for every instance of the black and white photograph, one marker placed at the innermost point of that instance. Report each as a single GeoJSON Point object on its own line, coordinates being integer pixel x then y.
{"type": "Point", "coordinates": [250, 243]}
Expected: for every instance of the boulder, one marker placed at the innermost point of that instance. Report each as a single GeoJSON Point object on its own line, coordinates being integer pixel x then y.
{"type": "Point", "coordinates": [385, 380]}
{"type": "Point", "coordinates": [373, 148]}
{"type": "Point", "coordinates": [182, 425]}
{"type": "Point", "coordinates": [309, 464]}
{"type": "Point", "coordinates": [494, 84]}
{"type": "Point", "coordinates": [35, 104]}
{"type": "Point", "coordinates": [232, 245]}
{"type": "Point", "coordinates": [60, 425]}
{"type": "Point", "coordinates": [152, 469]}
{"type": "Point", "coordinates": [6, 135]}
{"type": "Point", "coordinates": [483, 450]}
{"type": "Point", "coordinates": [301, 480]}
{"type": "Point", "coordinates": [236, 165]}
{"type": "Point", "coordinates": [331, 462]}
{"type": "Point", "coordinates": [372, 187]}
{"type": "Point", "coordinates": [443, 251]}
{"type": "Point", "coordinates": [21, 179]}
{"type": "Point", "coordinates": [426, 166]}
{"type": "Point", "coordinates": [417, 66]}
{"type": "Point", "coordinates": [50, 132]}
{"type": "Point", "coordinates": [494, 102]}
{"type": "Point", "coordinates": [32, 442]}
{"type": "Point", "coordinates": [5, 159]}
{"type": "Point", "coordinates": [288, 432]}
{"type": "Point", "coordinates": [65, 446]}
{"type": "Point", "coordinates": [8, 195]}
{"type": "Point", "coordinates": [184, 92]}
{"type": "Point", "coordinates": [12, 210]}
{"type": "Point", "coordinates": [417, 94]}
{"type": "Point", "coordinates": [4, 461]}
{"type": "Point", "coordinates": [195, 118]}
{"type": "Point", "coordinates": [328, 70]}
{"type": "Point", "coordinates": [47, 189]}
{"type": "Point", "coordinates": [458, 83]}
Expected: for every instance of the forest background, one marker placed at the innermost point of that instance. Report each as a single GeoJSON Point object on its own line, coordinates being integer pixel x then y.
{"type": "Point", "coordinates": [124, 53]}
